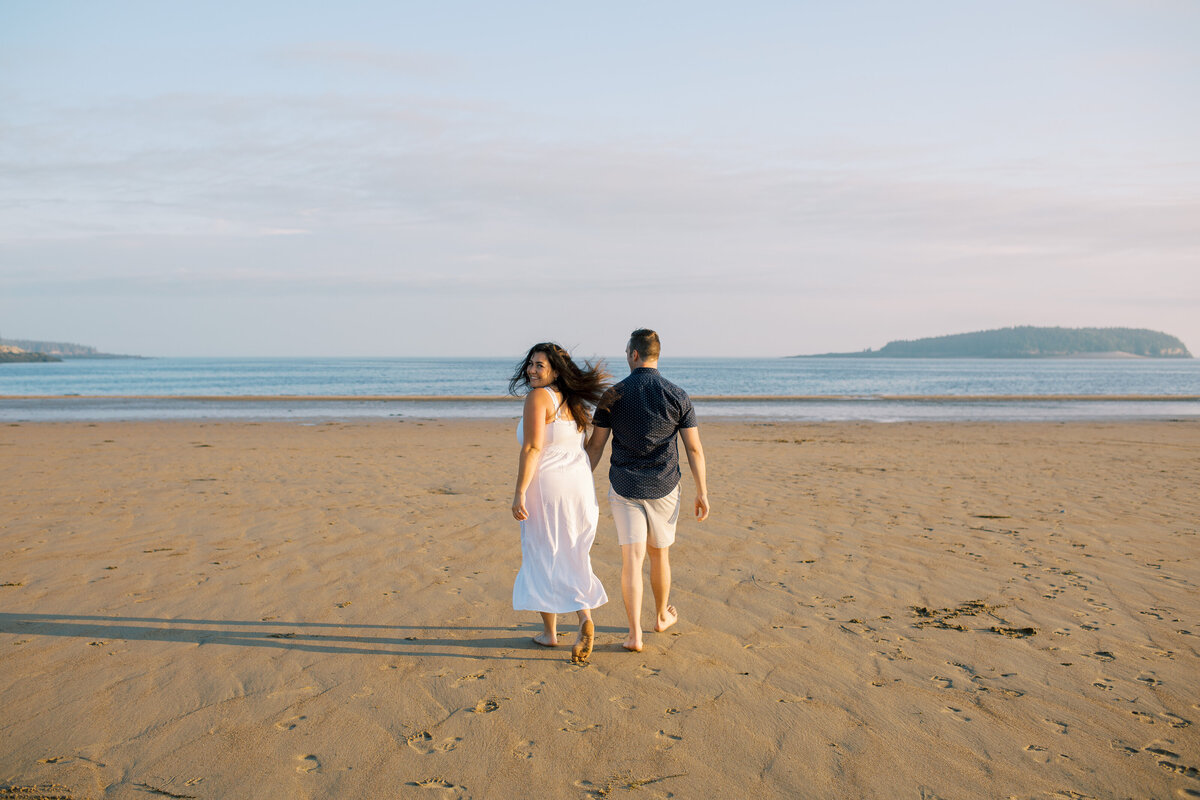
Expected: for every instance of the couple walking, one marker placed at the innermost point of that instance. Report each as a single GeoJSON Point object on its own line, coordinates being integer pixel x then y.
{"type": "Point", "coordinates": [555, 499]}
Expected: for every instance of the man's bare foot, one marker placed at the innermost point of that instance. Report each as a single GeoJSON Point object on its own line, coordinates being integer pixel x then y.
{"type": "Point", "coordinates": [583, 645]}
{"type": "Point", "coordinates": [546, 641]}
{"type": "Point", "coordinates": [633, 643]}
{"type": "Point", "coordinates": [666, 620]}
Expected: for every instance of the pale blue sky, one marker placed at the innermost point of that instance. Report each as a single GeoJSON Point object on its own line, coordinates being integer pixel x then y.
{"type": "Point", "coordinates": [375, 178]}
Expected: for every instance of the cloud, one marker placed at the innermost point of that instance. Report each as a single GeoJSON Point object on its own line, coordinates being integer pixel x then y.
{"type": "Point", "coordinates": [341, 197]}
{"type": "Point", "coordinates": [359, 56]}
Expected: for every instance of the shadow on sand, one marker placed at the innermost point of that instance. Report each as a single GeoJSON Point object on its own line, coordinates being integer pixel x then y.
{"type": "Point", "coordinates": [425, 640]}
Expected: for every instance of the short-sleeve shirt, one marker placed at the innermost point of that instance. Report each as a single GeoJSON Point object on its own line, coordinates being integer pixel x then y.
{"type": "Point", "coordinates": [645, 413]}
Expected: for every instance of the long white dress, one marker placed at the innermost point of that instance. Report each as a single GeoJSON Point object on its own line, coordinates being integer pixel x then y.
{"type": "Point", "coordinates": [556, 566]}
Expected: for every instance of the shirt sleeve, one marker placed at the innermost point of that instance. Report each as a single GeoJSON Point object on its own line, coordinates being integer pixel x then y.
{"type": "Point", "coordinates": [602, 416]}
{"type": "Point", "coordinates": [687, 416]}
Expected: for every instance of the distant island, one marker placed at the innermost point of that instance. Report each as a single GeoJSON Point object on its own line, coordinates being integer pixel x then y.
{"type": "Point", "coordinates": [12, 354]}
{"type": "Point", "coordinates": [14, 350]}
{"type": "Point", "coordinates": [1032, 342]}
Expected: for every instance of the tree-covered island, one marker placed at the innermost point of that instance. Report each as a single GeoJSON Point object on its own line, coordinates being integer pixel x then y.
{"type": "Point", "coordinates": [18, 350]}
{"type": "Point", "coordinates": [13, 354]}
{"type": "Point", "coordinates": [1032, 342]}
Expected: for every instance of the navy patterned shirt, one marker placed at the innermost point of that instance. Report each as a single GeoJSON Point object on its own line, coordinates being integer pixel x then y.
{"type": "Point", "coordinates": [645, 413]}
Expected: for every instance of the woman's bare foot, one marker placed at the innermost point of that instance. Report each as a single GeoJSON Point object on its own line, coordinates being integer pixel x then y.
{"type": "Point", "coordinates": [583, 645]}
{"type": "Point", "coordinates": [545, 640]}
{"type": "Point", "coordinates": [633, 643]}
{"type": "Point", "coordinates": [666, 620]}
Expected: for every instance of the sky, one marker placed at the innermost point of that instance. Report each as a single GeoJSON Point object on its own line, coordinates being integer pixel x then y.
{"type": "Point", "coordinates": [464, 179]}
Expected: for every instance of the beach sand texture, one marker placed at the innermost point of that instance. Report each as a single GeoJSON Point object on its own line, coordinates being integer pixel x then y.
{"type": "Point", "coordinates": [873, 611]}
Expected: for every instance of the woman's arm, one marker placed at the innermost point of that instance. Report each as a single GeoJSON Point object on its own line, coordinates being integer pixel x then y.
{"type": "Point", "coordinates": [537, 407]}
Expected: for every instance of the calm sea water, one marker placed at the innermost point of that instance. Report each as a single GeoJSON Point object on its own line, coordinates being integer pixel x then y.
{"type": "Point", "coordinates": [802, 389]}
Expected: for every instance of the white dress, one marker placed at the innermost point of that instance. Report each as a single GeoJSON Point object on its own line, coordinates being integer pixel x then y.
{"type": "Point", "coordinates": [556, 567]}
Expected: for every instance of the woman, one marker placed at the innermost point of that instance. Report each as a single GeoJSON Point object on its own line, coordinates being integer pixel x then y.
{"type": "Point", "coordinates": [555, 498]}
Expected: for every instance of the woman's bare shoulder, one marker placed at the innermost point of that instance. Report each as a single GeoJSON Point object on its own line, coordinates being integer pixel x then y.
{"type": "Point", "coordinates": [540, 399]}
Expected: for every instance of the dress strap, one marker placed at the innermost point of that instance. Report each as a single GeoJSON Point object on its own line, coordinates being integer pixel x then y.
{"type": "Point", "coordinates": [556, 400]}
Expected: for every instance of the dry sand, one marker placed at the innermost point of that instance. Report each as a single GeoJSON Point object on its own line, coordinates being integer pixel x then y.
{"type": "Point", "coordinates": [914, 610]}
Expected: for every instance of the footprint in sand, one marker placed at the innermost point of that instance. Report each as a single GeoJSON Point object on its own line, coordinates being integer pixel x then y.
{"type": "Point", "coordinates": [524, 750]}
{"type": "Point", "coordinates": [667, 740]}
{"type": "Point", "coordinates": [1060, 727]}
{"type": "Point", "coordinates": [446, 788]}
{"type": "Point", "coordinates": [944, 683]}
{"type": "Point", "coordinates": [290, 723]}
{"type": "Point", "coordinates": [623, 703]}
{"type": "Point", "coordinates": [1038, 753]}
{"type": "Point", "coordinates": [308, 764]}
{"type": "Point", "coordinates": [477, 676]}
{"type": "Point", "coordinates": [1160, 748]}
{"type": "Point", "coordinates": [1174, 720]}
{"type": "Point", "coordinates": [648, 672]}
{"type": "Point", "coordinates": [536, 688]}
{"type": "Point", "coordinates": [423, 743]}
{"type": "Point", "coordinates": [957, 713]}
{"type": "Point", "coordinates": [486, 706]}
{"type": "Point", "coordinates": [576, 725]}
{"type": "Point", "coordinates": [1179, 769]}
{"type": "Point", "coordinates": [1148, 679]}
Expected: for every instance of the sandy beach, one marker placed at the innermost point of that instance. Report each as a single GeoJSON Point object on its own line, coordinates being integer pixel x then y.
{"type": "Point", "coordinates": [941, 610]}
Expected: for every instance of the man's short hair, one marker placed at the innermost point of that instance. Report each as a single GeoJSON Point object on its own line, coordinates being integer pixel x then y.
{"type": "Point", "coordinates": [645, 342]}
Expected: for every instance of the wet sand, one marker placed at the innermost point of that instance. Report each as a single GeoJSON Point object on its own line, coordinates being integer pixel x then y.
{"type": "Point", "coordinates": [951, 610]}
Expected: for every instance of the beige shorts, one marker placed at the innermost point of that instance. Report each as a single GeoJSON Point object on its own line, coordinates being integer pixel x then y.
{"type": "Point", "coordinates": [649, 521]}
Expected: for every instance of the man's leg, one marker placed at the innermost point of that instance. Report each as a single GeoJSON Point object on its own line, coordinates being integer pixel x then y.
{"type": "Point", "coordinates": [661, 517]}
{"type": "Point", "coordinates": [660, 584]}
{"type": "Point", "coordinates": [632, 558]}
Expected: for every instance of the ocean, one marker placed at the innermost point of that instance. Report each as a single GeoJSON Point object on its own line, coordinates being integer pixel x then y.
{"type": "Point", "coordinates": [803, 389]}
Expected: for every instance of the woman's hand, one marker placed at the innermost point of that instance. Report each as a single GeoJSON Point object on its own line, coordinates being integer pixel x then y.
{"type": "Point", "coordinates": [518, 507]}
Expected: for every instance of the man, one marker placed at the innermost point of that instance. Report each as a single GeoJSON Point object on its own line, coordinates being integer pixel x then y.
{"type": "Point", "coordinates": [644, 414]}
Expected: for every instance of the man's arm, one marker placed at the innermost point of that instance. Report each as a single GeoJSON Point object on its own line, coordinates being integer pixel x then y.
{"type": "Point", "coordinates": [695, 457]}
{"type": "Point", "coordinates": [595, 444]}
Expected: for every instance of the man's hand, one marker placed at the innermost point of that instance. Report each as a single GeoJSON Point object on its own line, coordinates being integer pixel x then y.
{"type": "Point", "coordinates": [695, 457]}
{"type": "Point", "coordinates": [595, 445]}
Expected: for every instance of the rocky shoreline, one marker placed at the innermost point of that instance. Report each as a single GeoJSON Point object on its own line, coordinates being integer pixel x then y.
{"type": "Point", "coordinates": [10, 355]}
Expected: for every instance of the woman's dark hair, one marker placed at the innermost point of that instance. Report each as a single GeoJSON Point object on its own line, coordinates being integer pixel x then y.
{"type": "Point", "coordinates": [581, 387]}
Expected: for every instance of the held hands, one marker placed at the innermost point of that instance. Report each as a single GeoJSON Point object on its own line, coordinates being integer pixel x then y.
{"type": "Point", "coordinates": [518, 507]}
{"type": "Point", "coordinates": [701, 507]}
